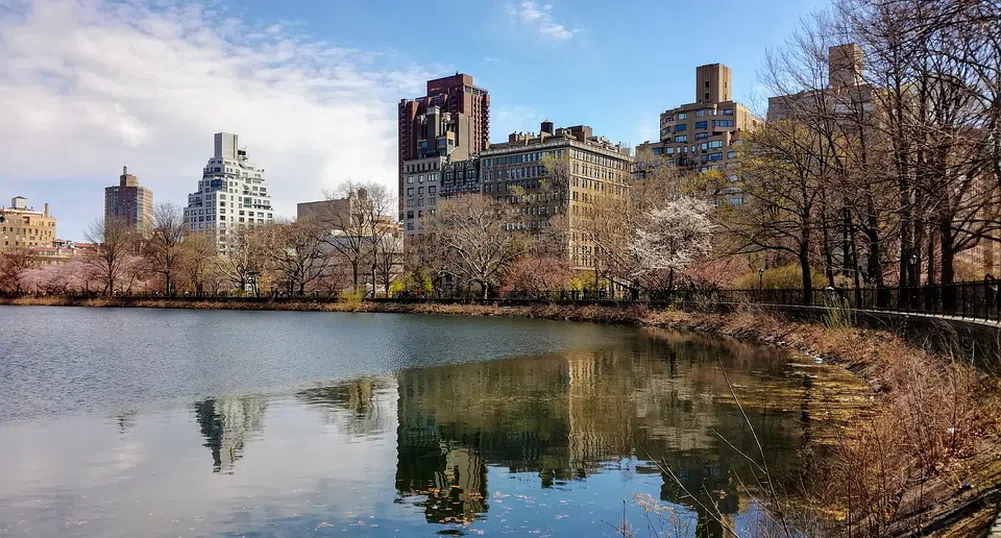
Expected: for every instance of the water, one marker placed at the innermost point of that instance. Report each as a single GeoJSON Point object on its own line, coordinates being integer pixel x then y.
{"type": "Point", "coordinates": [126, 422]}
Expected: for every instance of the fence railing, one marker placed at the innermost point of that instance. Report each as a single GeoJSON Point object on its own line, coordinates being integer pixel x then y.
{"type": "Point", "coordinates": [970, 300]}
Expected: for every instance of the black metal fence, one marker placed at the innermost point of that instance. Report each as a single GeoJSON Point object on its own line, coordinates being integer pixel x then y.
{"type": "Point", "coordinates": [969, 300]}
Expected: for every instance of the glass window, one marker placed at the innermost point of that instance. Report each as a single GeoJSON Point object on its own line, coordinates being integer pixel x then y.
{"type": "Point", "coordinates": [681, 138]}
{"type": "Point", "coordinates": [702, 125]}
{"type": "Point", "coordinates": [682, 115]}
{"type": "Point", "coordinates": [410, 191]}
{"type": "Point", "coordinates": [728, 112]}
{"type": "Point", "coordinates": [701, 136]}
{"type": "Point", "coordinates": [722, 123]}
{"type": "Point", "coordinates": [680, 127]}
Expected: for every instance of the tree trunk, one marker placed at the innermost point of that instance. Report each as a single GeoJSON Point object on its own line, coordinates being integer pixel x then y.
{"type": "Point", "coordinates": [948, 252]}
{"type": "Point", "coordinates": [804, 265]}
{"type": "Point", "coordinates": [930, 258]}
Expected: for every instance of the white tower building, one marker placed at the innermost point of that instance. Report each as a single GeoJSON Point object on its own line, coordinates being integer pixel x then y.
{"type": "Point", "coordinates": [232, 194]}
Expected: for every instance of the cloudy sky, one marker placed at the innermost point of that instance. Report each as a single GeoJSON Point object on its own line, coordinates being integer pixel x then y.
{"type": "Point", "coordinates": [311, 86]}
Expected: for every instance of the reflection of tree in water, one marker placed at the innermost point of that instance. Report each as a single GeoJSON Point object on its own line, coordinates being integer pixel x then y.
{"type": "Point", "coordinates": [565, 416]}
{"type": "Point", "coordinates": [353, 405]}
{"type": "Point", "coordinates": [225, 423]}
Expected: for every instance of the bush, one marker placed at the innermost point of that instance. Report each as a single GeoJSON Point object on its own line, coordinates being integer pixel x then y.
{"type": "Point", "coordinates": [778, 278]}
{"type": "Point", "coordinates": [354, 297]}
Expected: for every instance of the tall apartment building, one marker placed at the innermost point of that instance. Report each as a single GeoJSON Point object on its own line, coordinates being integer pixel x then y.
{"type": "Point", "coordinates": [599, 170]}
{"type": "Point", "coordinates": [129, 202]}
{"type": "Point", "coordinates": [444, 138]}
{"type": "Point", "coordinates": [232, 194]}
{"type": "Point", "coordinates": [702, 135]}
{"type": "Point", "coordinates": [23, 226]}
{"type": "Point", "coordinates": [846, 91]}
{"type": "Point", "coordinates": [452, 105]}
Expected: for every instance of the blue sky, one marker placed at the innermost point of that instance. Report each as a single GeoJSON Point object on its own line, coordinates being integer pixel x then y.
{"type": "Point", "coordinates": [311, 86]}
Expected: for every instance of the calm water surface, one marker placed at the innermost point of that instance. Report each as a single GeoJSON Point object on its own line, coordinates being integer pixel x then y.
{"type": "Point", "coordinates": [128, 422]}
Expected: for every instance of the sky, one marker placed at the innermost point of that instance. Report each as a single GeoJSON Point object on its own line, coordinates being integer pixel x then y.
{"type": "Point", "coordinates": [311, 86]}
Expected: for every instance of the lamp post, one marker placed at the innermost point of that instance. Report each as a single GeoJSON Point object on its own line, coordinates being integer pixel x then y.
{"type": "Point", "coordinates": [761, 279]}
{"type": "Point", "coordinates": [913, 261]}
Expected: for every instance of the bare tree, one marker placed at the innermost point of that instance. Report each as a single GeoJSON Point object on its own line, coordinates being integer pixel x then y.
{"type": "Point", "coordinates": [243, 261]}
{"type": "Point", "coordinates": [114, 243]}
{"type": "Point", "coordinates": [481, 237]}
{"type": "Point", "coordinates": [163, 249]}
{"type": "Point", "coordinates": [198, 261]}
{"type": "Point", "coordinates": [295, 251]}
{"type": "Point", "coordinates": [349, 215]}
{"type": "Point", "coordinates": [389, 257]}
{"type": "Point", "coordinates": [779, 176]}
{"type": "Point", "coordinates": [15, 263]}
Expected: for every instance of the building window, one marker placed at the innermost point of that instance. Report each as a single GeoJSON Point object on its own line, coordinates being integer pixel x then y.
{"type": "Point", "coordinates": [658, 151]}
{"type": "Point", "coordinates": [410, 214]}
{"type": "Point", "coordinates": [680, 127]}
{"type": "Point", "coordinates": [728, 112]}
{"type": "Point", "coordinates": [702, 124]}
{"type": "Point", "coordinates": [681, 138]}
{"type": "Point", "coordinates": [716, 144]}
{"type": "Point", "coordinates": [682, 115]}
{"type": "Point", "coordinates": [722, 123]}
{"type": "Point", "coordinates": [701, 112]}
{"type": "Point", "coordinates": [410, 191]}
{"type": "Point", "coordinates": [701, 136]}
{"type": "Point", "coordinates": [731, 155]}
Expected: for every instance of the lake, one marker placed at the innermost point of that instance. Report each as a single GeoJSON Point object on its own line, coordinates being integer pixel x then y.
{"type": "Point", "coordinates": [143, 422]}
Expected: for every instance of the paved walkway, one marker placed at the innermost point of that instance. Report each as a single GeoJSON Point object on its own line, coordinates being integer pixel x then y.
{"type": "Point", "coordinates": [980, 322]}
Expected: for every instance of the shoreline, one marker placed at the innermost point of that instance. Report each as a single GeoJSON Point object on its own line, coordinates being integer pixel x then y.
{"type": "Point", "coordinates": [894, 369]}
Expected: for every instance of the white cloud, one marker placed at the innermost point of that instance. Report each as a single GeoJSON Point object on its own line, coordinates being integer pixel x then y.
{"type": "Point", "coordinates": [507, 119]}
{"type": "Point", "coordinates": [89, 85]}
{"type": "Point", "coordinates": [539, 17]}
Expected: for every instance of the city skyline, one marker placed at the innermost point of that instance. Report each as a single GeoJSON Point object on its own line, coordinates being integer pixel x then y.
{"type": "Point", "coordinates": [316, 94]}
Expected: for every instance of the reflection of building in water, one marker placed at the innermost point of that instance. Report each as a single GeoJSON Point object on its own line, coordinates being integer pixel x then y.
{"type": "Point", "coordinates": [226, 423]}
{"type": "Point", "coordinates": [600, 414]}
{"type": "Point", "coordinates": [360, 407]}
{"type": "Point", "coordinates": [565, 416]}
{"type": "Point", "coordinates": [453, 478]}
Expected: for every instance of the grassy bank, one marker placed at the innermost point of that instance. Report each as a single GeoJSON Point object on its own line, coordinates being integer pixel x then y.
{"type": "Point", "coordinates": [924, 460]}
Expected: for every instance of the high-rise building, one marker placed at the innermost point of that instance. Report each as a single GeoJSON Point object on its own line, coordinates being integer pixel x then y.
{"type": "Point", "coordinates": [452, 120]}
{"type": "Point", "coordinates": [232, 194]}
{"type": "Point", "coordinates": [23, 226]}
{"type": "Point", "coordinates": [702, 135]}
{"type": "Point", "coordinates": [129, 203]}
{"type": "Point", "coordinates": [846, 92]}
{"type": "Point", "coordinates": [599, 174]}
{"type": "Point", "coordinates": [512, 171]}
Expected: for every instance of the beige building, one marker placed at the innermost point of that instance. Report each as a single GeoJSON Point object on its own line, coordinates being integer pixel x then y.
{"type": "Point", "coordinates": [703, 135]}
{"type": "Point", "coordinates": [846, 93]}
{"type": "Point", "coordinates": [23, 226]}
{"type": "Point", "coordinates": [599, 173]}
{"type": "Point", "coordinates": [129, 203]}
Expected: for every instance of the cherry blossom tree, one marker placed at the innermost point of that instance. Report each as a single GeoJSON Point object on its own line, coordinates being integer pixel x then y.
{"type": "Point", "coordinates": [672, 237]}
